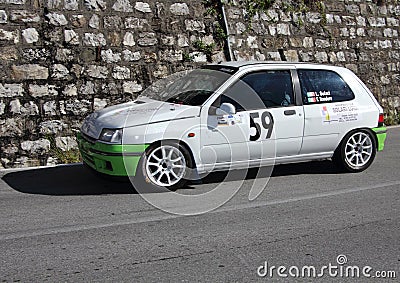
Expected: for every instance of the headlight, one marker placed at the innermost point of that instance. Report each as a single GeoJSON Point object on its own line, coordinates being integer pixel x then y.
{"type": "Point", "coordinates": [111, 135]}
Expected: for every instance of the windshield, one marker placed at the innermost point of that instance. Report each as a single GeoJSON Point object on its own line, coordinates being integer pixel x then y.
{"type": "Point", "coordinates": [192, 87]}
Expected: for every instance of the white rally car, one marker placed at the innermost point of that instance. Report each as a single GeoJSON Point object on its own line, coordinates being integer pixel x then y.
{"type": "Point", "coordinates": [236, 115]}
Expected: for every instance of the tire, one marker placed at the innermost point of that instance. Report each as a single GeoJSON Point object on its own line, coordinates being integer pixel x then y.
{"type": "Point", "coordinates": [356, 152]}
{"type": "Point", "coordinates": [164, 166]}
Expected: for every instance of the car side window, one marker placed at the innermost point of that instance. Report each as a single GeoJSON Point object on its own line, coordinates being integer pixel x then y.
{"type": "Point", "coordinates": [323, 86]}
{"type": "Point", "coordinates": [258, 90]}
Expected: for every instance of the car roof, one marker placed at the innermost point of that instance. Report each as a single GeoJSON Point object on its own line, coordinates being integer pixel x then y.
{"type": "Point", "coordinates": [240, 64]}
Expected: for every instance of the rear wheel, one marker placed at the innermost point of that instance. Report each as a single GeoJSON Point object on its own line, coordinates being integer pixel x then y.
{"type": "Point", "coordinates": [164, 165]}
{"type": "Point", "coordinates": [356, 152]}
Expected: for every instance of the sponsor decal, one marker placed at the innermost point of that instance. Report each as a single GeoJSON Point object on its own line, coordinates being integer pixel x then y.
{"type": "Point", "coordinates": [230, 120]}
{"type": "Point", "coordinates": [340, 113]}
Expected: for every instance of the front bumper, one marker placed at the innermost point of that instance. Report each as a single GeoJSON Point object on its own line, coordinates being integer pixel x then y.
{"type": "Point", "coordinates": [110, 159]}
{"type": "Point", "coordinates": [380, 137]}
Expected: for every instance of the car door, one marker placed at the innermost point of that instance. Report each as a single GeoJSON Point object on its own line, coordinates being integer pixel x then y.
{"type": "Point", "coordinates": [267, 122]}
{"type": "Point", "coordinates": [330, 109]}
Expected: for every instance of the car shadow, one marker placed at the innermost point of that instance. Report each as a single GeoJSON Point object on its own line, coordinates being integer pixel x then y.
{"type": "Point", "coordinates": [77, 179]}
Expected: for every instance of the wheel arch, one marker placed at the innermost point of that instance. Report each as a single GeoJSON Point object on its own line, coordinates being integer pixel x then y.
{"type": "Point", "coordinates": [371, 132]}
{"type": "Point", "coordinates": [174, 141]}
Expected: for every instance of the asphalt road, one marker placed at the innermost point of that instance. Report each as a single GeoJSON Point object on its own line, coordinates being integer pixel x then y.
{"type": "Point", "coordinates": [66, 224]}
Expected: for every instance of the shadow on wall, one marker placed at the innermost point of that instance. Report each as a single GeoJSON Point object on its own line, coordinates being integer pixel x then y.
{"type": "Point", "coordinates": [76, 179]}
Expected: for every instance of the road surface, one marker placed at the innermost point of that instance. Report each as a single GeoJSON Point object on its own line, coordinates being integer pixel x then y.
{"type": "Point", "coordinates": [67, 224]}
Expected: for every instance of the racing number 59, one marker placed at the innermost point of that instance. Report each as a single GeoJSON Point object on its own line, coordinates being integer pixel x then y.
{"type": "Point", "coordinates": [267, 122]}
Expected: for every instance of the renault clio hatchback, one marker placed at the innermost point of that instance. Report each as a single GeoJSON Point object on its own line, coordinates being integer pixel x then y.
{"type": "Point", "coordinates": [236, 115]}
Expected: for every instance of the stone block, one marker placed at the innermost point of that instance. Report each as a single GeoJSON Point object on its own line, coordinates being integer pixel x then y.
{"type": "Point", "coordinates": [42, 90]}
{"type": "Point", "coordinates": [109, 56]}
{"type": "Point", "coordinates": [56, 19]}
{"type": "Point", "coordinates": [321, 57]}
{"type": "Point", "coordinates": [183, 41]}
{"type": "Point", "coordinates": [161, 71]}
{"type": "Point", "coordinates": [66, 143]}
{"type": "Point", "coordinates": [322, 43]}
{"type": "Point", "coordinates": [167, 40]}
{"type": "Point", "coordinates": [112, 22]}
{"type": "Point", "coordinates": [97, 72]}
{"type": "Point", "coordinates": [70, 90]}
{"type": "Point", "coordinates": [171, 55]}
{"type": "Point", "coordinates": [198, 57]}
{"type": "Point", "coordinates": [2, 107]}
{"type": "Point", "coordinates": [179, 9]}
{"type": "Point", "coordinates": [147, 39]}
{"type": "Point", "coordinates": [40, 146]}
{"type": "Point", "coordinates": [135, 23]}
{"type": "Point", "coordinates": [11, 36]}
{"type": "Point", "coordinates": [95, 5]}
{"type": "Point", "coordinates": [91, 39]}
{"type": "Point", "coordinates": [121, 73]}
{"type": "Point", "coordinates": [94, 22]}
{"type": "Point", "coordinates": [77, 107]}
{"type": "Point", "coordinates": [71, 5]}
{"type": "Point", "coordinates": [8, 53]}
{"type": "Point", "coordinates": [291, 55]}
{"type": "Point", "coordinates": [377, 22]}
{"type": "Point", "coordinates": [122, 6]}
{"type": "Point", "coordinates": [131, 56]}
{"type": "Point", "coordinates": [87, 87]}
{"type": "Point", "coordinates": [30, 35]}
{"type": "Point", "coordinates": [12, 127]}
{"type": "Point", "coordinates": [24, 16]}
{"type": "Point", "coordinates": [195, 25]}
{"type": "Point", "coordinates": [11, 90]}
{"type": "Point", "coordinates": [59, 72]}
{"type": "Point", "coordinates": [99, 103]}
{"type": "Point", "coordinates": [131, 87]}
{"type": "Point", "coordinates": [142, 7]}
{"type": "Point", "coordinates": [29, 72]}
{"type": "Point", "coordinates": [129, 39]}
{"type": "Point", "coordinates": [71, 37]}
{"type": "Point", "coordinates": [52, 127]}
{"type": "Point", "coordinates": [50, 108]}
{"type": "Point", "coordinates": [3, 17]}
{"type": "Point", "coordinates": [283, 29]}
{"type": "Point", "coordinates": [78, 21]}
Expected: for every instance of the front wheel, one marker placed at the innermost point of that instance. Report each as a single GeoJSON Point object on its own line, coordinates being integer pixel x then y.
{"type": "Point", "coordinates": [356, 152]}
{"type": "Point", "coordinates": [164, 165]}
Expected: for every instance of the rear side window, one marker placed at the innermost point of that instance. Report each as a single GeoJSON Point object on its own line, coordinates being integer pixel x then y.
{"type": "Point", "coordinates": [322, 86]}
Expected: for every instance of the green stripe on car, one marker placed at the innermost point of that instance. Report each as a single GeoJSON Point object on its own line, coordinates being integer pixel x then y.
{"type": "Point", "coordinates": [381, 137]}
{"type": "Point", "coordinates": [111, 159]}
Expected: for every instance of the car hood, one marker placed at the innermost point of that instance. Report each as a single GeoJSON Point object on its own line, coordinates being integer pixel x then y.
{"type": "Point", "coordinates": [135, 113]}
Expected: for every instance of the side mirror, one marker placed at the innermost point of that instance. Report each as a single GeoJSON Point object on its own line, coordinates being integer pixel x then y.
{"type": "Point", "coordinates": [226, 108]}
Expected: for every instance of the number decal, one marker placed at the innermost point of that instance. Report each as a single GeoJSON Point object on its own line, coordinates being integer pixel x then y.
{"type": "Point", "coordinates": [267, 122]}
{"type": "Point", "coordinates": [268, 125]}
{"type": "Point", "coordinates": [256, 126]}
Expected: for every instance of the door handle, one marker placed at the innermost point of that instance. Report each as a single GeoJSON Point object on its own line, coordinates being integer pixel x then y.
{"type": "Point", "coordinates": [289, 112]}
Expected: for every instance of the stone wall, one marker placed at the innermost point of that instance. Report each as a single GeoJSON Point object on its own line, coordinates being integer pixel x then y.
{"type": "Point", "coordinates": [62, 59]}
{"type": "Point", "coordinates": [362, 35]}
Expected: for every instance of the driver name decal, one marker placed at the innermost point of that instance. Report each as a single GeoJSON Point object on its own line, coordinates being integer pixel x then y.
{"type": "Point", "coordinates": [322, 96]}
